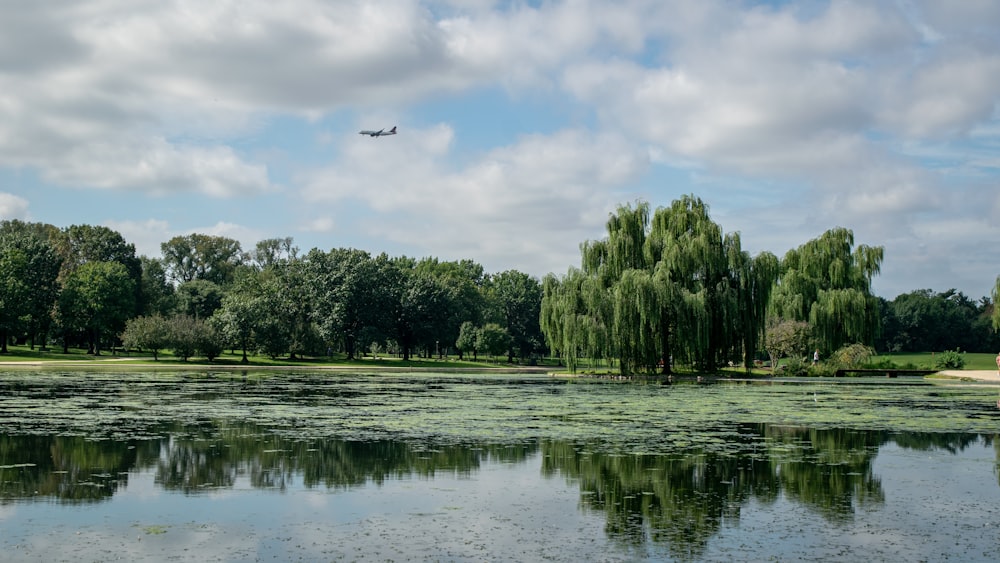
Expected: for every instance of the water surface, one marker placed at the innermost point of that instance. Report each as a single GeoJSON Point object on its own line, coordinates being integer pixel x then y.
{"type": "Point", "coordinates": [326, 466]}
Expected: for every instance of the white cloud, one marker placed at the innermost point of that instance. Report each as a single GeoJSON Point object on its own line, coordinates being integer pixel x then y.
{"type": "Point", "coordinates": [529, 204]}
{"type": "Point", "coordinates": [13, 207]}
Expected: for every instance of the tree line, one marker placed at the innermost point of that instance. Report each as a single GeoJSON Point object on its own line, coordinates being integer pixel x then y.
{"type": "Point", "coordinates": [668, 285]}
{"type": "Point", "coordinates": [84, 286]}
{"type": "Point", "coordinates": [664, 287]}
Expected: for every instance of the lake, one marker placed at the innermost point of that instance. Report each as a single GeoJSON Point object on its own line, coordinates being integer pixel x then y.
{"type": "Point", "coordinates": [205, 465]}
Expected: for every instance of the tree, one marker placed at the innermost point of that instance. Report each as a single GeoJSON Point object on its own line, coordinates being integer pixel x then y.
{"type": "Point", "coordinates": [79, 245]}
{"type": "Point", "coordinates": [97, 297]}
{"type": "Point", "coordinates": [827, 282]}
{"type": "Point", "coordinates": [515, 301]}
{"type": "Point", "coordinates": [146, 333]}
{"type": "Point", "coordinates": [355, 295]}
{"type": "Point", "coordinates": [424, 310]}
{"type": "Point", "coordinates": [670, 285]}
{"type": "Point", "coordinates": [29, 268]}
{"type": "Point", "coordinates": [199, 298]}
{"type": "Point", "coordinates": [273, 251]}
{"type": "Point", "coordinates": [468, 335]}
{"type": "Point", "coordinates": [786, 338]}
{"type": "Point", "coordinates": [996, 309]}
{"type": "Point", "coordinates": [202, 257]}
{"type": "Point", "coordinates": [493, 340]}
{"type": "Point", "coordinates": [157, 295]}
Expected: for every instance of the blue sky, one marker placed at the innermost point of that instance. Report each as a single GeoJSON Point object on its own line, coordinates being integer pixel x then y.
{"type": "Point", "coordinates": [522, 125]}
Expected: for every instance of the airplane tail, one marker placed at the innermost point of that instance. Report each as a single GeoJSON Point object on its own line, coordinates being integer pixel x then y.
{"type": "Point", "coordinates": [393, 130]}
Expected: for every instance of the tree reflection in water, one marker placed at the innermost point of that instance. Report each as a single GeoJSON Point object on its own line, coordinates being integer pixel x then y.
{"type": "Point", "coordinates": [679, 499]}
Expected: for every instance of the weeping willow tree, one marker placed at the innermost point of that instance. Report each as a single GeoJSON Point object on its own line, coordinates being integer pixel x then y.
{"type": "Point", "coordinates": [996, 307]}
{"type": "Point", "coordinates": [661, 287]}
{"type": "Point", "coordinates": [572, 318]}
{"type": "Point", "coordinates": [827, 282]}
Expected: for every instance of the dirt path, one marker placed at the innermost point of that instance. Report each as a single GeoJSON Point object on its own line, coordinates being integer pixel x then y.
{"type": "Point", "coordinates": [979, 375]}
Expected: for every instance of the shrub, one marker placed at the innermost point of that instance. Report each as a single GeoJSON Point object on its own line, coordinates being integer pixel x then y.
{"type": "Point", "coordinates": [852, 356]}
{"type": "Point", "coordinates": [949, 359]}
{"type": "Point", "coordinates": [795, 367]}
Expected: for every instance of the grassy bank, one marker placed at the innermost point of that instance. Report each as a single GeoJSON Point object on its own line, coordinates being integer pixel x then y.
{"type": "Point", "coordinates": [23, 354]}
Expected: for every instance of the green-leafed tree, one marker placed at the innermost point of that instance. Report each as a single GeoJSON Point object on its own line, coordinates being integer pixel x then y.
{"type": "Point", "coordinates": [29, 269]}
{"type": "Point", "coordinates": [199, 298]}
{"type": "Point", "coordinates": [493, 340]}
{"type": "Point", "coordinates": [468, 334]}
{"type": "Point", "coordinates": [786, 338]}
{"type": "Point", "coordinates": [665, 286]}
{"type": "Point", "coordinates": [996, 305]}
{"type": "Point", "coordinates": [827, 282]}
{"type": "Point", "coordinates": [146, 334]}
{"type": "Point", "coordinates": [202, 257]}
{"type": "Point", "coordinates": [273, 251]}
{"type": "Point", "coordinates": [424, 310]}
{"type": "Point", "coordinates": [244, 313]}
{"type": "Point", "coordinates": [158, 296]}
{"type": "Point", "coordinates": [97, 298]}
{"type": "Point", "coordinates": [514, 301]}
{"type": "Point", "coordinates": [355, 296]}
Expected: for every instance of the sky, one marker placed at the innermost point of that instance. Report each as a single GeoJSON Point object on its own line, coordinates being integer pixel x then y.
{"type": "Point", "coordinates": [522, 125]}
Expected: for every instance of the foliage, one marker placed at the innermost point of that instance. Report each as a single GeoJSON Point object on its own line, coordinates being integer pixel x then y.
{"type": "Point", "coordinates": [924, 320]}
{"type": "Point", "coordinates": [949, 359]}
{"type": "Point", "coordinates": [188, 336]}
{"type": "Point", "coordinates": [147, 333]}
{"type": "Point", "coordinates": [493, 340]}
{"type": "Point", "coordinates": [202, 257]}
{"type": "Point", "coordinates": [513, 300]}
{"type": "Point", "coordinates": [995, 316]}
{"type": "Point", "coordinates": [852, 356]}
{"type": "Point", "coordinates": [468, 336]}
{"type": "Point", "coordinates": [665, 286]}
{"type": "Point", "coordinates": [827, 282]}
{"type": "Point", "coordinates": [97, 297]}
{"type": "Point", "coordinates": [786, 338]}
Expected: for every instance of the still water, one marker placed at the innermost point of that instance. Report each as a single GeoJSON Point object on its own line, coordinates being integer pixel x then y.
{"type": "Point", "coordinates": [98, 466]}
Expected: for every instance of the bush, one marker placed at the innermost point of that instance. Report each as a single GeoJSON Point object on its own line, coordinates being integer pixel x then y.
{"type": "Point", "coordinates": [949, 359]}
{"type": "Point", "coordinates": [795, 367]}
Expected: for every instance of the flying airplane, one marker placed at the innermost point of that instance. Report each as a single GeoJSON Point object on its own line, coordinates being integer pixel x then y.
{"type": "Point", "coordinates": [380, 133]}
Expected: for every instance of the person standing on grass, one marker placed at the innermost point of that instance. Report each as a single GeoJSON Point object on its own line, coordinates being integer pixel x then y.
{"type": "Point", "coordinates": [816, 358]}
{"type": "Point", "coordinates": [998, 366]}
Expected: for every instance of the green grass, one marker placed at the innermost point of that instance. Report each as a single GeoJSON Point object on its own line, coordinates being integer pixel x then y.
{"type": "Point", "coordinates": [167, 358]}
{"type": "Point", "coordinates": [925, 360]}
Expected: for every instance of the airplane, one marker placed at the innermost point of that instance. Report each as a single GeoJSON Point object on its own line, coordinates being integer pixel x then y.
{"type": "Point", "coordinates": [380, 133]}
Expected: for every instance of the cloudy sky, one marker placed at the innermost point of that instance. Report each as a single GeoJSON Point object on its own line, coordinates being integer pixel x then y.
{"type": "Point", "coordinates": [522, 124]}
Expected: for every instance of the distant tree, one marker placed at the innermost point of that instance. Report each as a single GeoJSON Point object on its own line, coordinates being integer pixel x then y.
{"type": "Point", "coordinates": [157, 294]}
{"type": "Point", "coordinates": [424, 309]}
{"type": "Point", "coordinates": [272, 251]}
{"type": "Point", "coordinates": [150, 334]}
{"type": "Point", "coordinates": [354, 294]}
{"type": "Point", "coordinates": [245, 313]}
{"type": "Point", "coordinates": [468, 335]}
{"type": "Point", "coordinates": [514, 302]}
{"type": "Point", "coordinates": [786, 338]}
{"type": "Point", "coordinates": [996, 309]}
{"type": "Point", "coordinates": [202, 257]}
{"type": "Point", "coordinates": [29, 268]}
{"type": "Point", "coordinates": [493, 340]}
{"type": "Point", "coordinates": [97, 297]}
{"type": "Point", "coordinates": [184, 336]}
{"type": "Point", "coordinates": [199, 298]}
{"type": "Point", "coordinates": [827, 282]}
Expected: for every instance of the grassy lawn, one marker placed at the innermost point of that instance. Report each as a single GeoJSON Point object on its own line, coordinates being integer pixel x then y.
{"type": "Point", "coordinates": [925, 360]}
{"type": "Point", "coordinates": [166, 358]}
